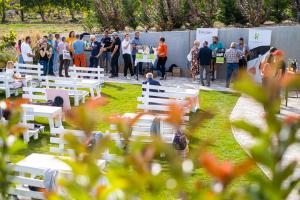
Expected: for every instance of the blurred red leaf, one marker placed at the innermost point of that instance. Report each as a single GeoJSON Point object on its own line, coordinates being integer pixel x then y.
{"type": "Point", "coordinates": [223, 171]}
{"type": "Point", "coordinates": [176, 112]}
{"type": "Point", "coordinates": [96, 102]}
{"type": "Point", "coordinates": [291, 119]}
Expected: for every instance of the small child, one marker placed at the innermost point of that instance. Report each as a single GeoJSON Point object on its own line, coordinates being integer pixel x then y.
{"type": "Point", "coordinates": [16, 79]}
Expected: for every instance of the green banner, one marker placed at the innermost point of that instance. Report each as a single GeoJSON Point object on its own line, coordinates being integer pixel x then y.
{"type": "Point", "coordinates": [139, 56]}
{"type": "Point", "coordinates": [220, 60]}
{"type": "Point", "coordinates": [151, 57]}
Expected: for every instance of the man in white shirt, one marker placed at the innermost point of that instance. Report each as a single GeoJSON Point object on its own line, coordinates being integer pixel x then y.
{"type": "Point", "coordinates": [27, 51]}
{"type": "Point", "coordinates": [126, 50]}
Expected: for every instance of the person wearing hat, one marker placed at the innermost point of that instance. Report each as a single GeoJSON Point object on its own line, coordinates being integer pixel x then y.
{"type": "Point", "coordinates": [116, 46]}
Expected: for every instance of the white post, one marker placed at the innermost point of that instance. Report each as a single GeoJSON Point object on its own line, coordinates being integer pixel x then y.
{"type": "Point", "coordinates": [6, 85]}
{"type": "Point", "coordinates": [39, 72]}
{"type": "Point", "coordinates": [147, 97]}
{"type": "Point", "coordinates": [99, 73]}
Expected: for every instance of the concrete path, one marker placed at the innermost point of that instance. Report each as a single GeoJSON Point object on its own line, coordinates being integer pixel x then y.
{"type": "Point", "coordinates": [249, 110]}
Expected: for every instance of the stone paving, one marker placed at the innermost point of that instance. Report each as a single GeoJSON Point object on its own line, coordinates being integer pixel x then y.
{"type": "Point", "coordinates": [249, 110]}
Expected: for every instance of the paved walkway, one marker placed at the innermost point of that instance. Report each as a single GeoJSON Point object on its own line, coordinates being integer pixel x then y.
{"type": "Point", "coordinates": [249, 110]}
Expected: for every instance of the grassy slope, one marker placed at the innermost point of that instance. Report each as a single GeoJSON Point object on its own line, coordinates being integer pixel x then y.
{"type": "Point", "coordinates": [25, 29]}
{"type": "Point", "coordinates": [123, 99]}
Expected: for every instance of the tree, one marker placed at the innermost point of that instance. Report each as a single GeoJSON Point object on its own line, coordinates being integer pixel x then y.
{"type": "Point", "coordinates": [276, 9]}
{"type": "Point", "coordinates": [229, 13]}
{"type": "Point", "coordinates": [37, 5]}
{"type": "Point", "coordinates": [73, 6]}
{"type": "Point", "coordinates": [129, 8]}
{"type": "Point", "coordinates": [253, 10]}
{"type": "Point", "coordinates": [202, 12]}
{"type": "Point", "coordinates": [3, 5]}
{"type": "Point", "coordinates": [110, 14]}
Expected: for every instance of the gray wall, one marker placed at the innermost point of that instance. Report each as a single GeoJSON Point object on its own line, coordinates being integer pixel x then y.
{"type": "Point", "coordinates": [286, 38]}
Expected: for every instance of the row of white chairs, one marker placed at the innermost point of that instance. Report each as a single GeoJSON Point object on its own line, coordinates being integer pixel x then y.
{"type": "Point", "coordinates": [91, 78]}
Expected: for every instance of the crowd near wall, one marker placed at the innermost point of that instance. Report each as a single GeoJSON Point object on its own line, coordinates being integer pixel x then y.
{"type": "Point", "coordinates": [286, 38]}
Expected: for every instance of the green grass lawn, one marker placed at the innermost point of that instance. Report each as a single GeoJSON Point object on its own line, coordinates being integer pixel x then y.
{"type": "Point", "coordinates": [25, 29]}
{"type": "Point", "coordinates": [122, 99]}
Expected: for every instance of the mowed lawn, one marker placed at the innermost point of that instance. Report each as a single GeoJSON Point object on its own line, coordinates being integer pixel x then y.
{"type": "Point", "coordinates": [28, 29]}
{"type": "Point", "coordinates": [122, 99]}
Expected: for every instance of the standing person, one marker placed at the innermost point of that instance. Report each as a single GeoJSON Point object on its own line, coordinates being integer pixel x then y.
{"type": "Point", "coordinates": [162, 53]}
{"type": "Point", "coordinates": [272, 71]}
{"type": "Point", "coordinates": [279, 60]}
{"type": "Point", "coordinates": [45, 55]}
{"type": "Point", "coordinates": [51, 43]}
{"type": "Point", "coordinates": [232, 56]}
{"type": "Point", "coordinates": [205, 56]}
{"type": "Point", "coordinates": [55, 53]}
{"type": "Point", "coordinates": [70, 40]}
{"type": "Point", "coordinates": [19, 52]}
{"type": "Point", "coordinates": [243, 59]}
{"type": "Point", "coordinates": [135, 44]}
{"type": "Point", "coordinates": [78, 52]}
{"type": "Point", "coordinates": [27, 51]}
{"type": "Point", "coordinates": [95, 52]}
{"type": "Point", "coordinates": [194, 61]}
{"type": "Point", "coordinates": [215, 46]}
{"type": "Point", "coordinates": [126, 49]}
{"type": "Point", "coordinates": [64, 62]}
{"type": "Point", "coordinates": [106, 44]}
{"type": "Point", "coordinates": [116, 45]}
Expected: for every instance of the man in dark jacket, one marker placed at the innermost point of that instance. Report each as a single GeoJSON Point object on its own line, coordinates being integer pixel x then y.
{"type": "Point", "coordinates": [150, 80]}
{"type": "Point", "coordinates": [205, 56]}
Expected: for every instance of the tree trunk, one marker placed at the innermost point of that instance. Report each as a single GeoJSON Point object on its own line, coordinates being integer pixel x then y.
{"type": "Point", "coordinates": [72, 14]}
{"type": "Point", "coordinates": [41, 11]}
{"type": "Point", "coordinates": [22, 15]}
{"type": "Point", "coordinates": [3, 12]}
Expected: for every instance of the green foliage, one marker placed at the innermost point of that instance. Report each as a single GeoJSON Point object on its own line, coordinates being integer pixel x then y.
{"type": "Point", "coordinates": [129, 12]}
{"type": "Point", "coordinates": [277, 9]}
{"type": "Point", "coordinates": [8, 40]}
{"type": "Point", "coordinates": [229, 13]}
{"type": "Point", "coordinates": [10, 145]}
{"type": "Point", "coordinates": [90, 22]}
{"type": "Point", "coordinates": [7, 50]}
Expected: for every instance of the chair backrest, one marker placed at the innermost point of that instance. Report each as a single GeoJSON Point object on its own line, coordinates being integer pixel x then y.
{"type": "Point", "coordinates": [88, 73]}
{"type": "Point", "coordinates": [4, 84]}
{"type": "Point", "coordinates": [34, 94]}
{"type": "Point", "coordinates": [35, 71]}
{"type": "Point", "coordinates": [20, 179]}
{"type": "Point", "coordinates": [157, 98]}
{"type": "Point", "coordinates": [60, 82]}
{"type": "Point", "coordinates": [58, 143]}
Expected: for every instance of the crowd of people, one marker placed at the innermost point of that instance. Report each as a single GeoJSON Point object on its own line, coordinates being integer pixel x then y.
{"type": "Point", "coordinates": [203, 59]}
{"type": "Point", "coordinates": [56, 53]}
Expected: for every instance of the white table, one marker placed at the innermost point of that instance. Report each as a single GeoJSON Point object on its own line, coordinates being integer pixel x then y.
{"type": "Point", "coordinates": [45, 161]}
{"type": "Point", "coordinates": [92, 85]}
{"type": "Point", "coordinates": [49, 112]}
